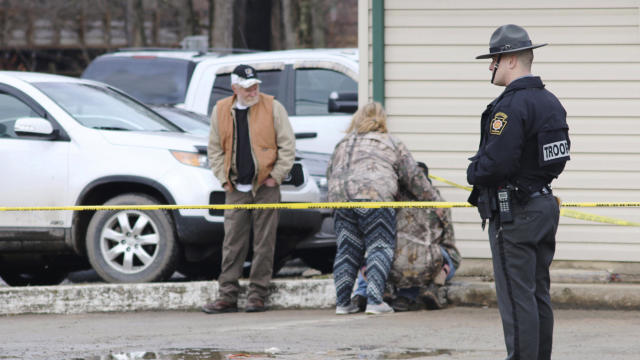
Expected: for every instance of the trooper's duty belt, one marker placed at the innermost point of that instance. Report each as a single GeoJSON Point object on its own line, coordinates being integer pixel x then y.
{"type": "Point", "coordinates": [546, 190]}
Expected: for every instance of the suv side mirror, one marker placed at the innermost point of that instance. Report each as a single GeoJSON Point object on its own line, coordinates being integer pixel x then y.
{"type": "Point", "coordinates": [33, 126]}
{"type": "Point", "coordinates": [343, 102]}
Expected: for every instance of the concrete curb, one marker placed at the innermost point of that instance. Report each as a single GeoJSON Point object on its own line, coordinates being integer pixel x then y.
{"type": "Point", "coordinates": [87, 298]}
{"type": "Point", "coordinates": [612, 296]}
{"type": "Point", "coordinates": [285, 294]}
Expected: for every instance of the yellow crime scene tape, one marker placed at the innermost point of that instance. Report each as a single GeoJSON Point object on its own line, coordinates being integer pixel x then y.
{"type": "Point", "coordinates": [346, 205]}
{"type": "Point", "coordinates": [573, 213]}
{"type": "Point", "coordinates": [596, 218]}
{"type": "Point", "coordinates": [438, 178]}
{"type": "Point", "coordinates": [322, 205]}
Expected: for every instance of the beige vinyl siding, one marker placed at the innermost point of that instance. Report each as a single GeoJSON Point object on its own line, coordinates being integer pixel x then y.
{"type": "Point", "coordinates": [435, 92]}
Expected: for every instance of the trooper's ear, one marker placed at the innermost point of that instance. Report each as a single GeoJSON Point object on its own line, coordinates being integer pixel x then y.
{"type": "Point", "coordinates": [512, 60]}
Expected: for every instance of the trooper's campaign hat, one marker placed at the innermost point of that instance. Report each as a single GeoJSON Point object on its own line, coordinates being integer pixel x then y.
{"type": "Point", "coordinates": [509, 39]}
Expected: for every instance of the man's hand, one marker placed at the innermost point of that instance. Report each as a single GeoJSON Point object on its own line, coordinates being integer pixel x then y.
{"type": "Point", "coordinates": [227, 187]}
{"type": "Point", "coordinates": [270, 182]}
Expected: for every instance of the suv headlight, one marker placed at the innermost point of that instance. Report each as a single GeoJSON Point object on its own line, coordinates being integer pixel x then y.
{"type": "Point", "coordinates": [323, 186]}
{"type": "Point", "coordinates": [191, 158]}
{"type": "Point", "coordinates": [321, 181]}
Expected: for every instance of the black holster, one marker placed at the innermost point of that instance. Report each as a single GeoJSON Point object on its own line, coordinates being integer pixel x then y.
{"type": "Point", "coordinates": [484, 200]}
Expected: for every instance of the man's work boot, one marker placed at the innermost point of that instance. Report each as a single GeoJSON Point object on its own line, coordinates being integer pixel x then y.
{"type": "Point", "coordinates": [220, 307]}
{"type": "Point", "coordinates": [434, 297]}
{"type": "Point", "coordinates": [255, 305]}
{"type": "Point", "coordinates": [402, 303]}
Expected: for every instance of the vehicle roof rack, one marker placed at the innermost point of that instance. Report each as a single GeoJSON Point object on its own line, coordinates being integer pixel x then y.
{"type": "Point", "coordinates": [141, 48]}
{"type": "Point", "coordinates": [210, 51]}
{"type": "Point", "coordinates": [228, 51]}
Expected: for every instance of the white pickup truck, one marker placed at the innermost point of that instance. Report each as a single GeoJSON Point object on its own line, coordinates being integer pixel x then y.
{"type": "Point", "coordinates": [318, 87]}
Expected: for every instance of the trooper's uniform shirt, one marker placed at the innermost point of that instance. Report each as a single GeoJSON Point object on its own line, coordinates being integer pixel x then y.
{"type": "Point", "coordinates": [524, 138]}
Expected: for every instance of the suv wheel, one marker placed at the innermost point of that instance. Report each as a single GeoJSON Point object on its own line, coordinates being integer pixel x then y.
{"type": "Point", "coordinates": [132, 245]}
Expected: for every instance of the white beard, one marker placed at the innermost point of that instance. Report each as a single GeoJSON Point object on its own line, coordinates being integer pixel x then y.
{"type": "Point", "coordinates": [250, 103]}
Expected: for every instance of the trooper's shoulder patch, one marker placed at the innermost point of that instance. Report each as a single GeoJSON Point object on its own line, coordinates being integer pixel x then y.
{"type": "Point", "coordinates": [498, 123]}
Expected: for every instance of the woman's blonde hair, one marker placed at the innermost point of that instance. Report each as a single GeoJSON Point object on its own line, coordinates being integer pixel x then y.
{"type": "Point", "coordinates": [368, 118]}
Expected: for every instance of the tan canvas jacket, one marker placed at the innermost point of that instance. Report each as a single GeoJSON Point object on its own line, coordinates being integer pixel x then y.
{"type": "Point", "coordinates": [285, 141]}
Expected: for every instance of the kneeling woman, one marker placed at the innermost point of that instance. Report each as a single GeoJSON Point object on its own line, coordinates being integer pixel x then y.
{"type": "Point", "coordinates": [369, 164]}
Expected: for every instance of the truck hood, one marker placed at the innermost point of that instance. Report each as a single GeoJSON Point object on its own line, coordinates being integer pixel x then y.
{"type": "Point", "coordinates": [156, 139]}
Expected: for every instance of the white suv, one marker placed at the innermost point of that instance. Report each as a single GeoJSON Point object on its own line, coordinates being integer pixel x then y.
{"type": "Point", "coordinates": [65, 141]}
{"type": "Point", "coordinates": [318, 87]}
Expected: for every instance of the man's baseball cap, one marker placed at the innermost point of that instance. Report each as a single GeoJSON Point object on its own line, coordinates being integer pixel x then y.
{"type": "Point", "coordinates": [245, 76]}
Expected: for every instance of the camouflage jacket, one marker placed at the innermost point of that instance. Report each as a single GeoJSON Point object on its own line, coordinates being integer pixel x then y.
{"type": "Point", "coordinates": [372, 166]}
{"type": "Point", "coordinates": [420, 233]}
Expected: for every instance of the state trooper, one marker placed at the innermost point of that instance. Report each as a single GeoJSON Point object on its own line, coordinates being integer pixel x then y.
{"type": "Point", "coordinates": [524, 145]}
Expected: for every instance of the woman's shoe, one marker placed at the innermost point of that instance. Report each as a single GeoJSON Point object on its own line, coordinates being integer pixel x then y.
{"type": "Point", "coordinates": [375, 309]}
{"type": "Point", "coordinates": [345, 310]}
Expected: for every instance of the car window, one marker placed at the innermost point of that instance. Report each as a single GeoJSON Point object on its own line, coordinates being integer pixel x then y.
{"type": "Point", "coordinates": [99, 107]}
{"type": "Point", "coordinates": [152, 80]}
{"type": "Point", "coordinates": [313, 87]}
{"type": "Point", "coordinates": [190, 122]}
{"type": "Point", "coordinates": [272, 84]}
{"type": "Point", "coordinates": [11, 109]}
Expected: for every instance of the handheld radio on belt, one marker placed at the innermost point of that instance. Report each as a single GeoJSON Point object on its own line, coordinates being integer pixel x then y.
{"type": "Point", "coordinates": [504, 205]}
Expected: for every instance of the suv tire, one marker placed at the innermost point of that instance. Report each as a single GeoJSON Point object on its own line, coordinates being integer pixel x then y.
{"type": "Point", "coordinates": [132, 246]}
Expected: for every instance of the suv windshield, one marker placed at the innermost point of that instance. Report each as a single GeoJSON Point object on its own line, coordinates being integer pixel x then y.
{"type": "Point", "coordinates": [99, 107]}
{"type": "Point", "coordinates": [150, 79]}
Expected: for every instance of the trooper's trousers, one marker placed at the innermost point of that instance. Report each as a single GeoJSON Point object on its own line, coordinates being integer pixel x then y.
{"type": "Point", "coordinates": [522, 252]}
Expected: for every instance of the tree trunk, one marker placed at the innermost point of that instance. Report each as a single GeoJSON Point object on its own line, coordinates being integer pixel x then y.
{"type": "Point", "coordinates": [304, 23]}
{"type": "Point", "coordinates": [239, 27]}
{"type": "Point", "coordinates": [129, 20]}
{"type": "Point", "coordinates": [31, 18]}
{"type": "Point", "coordinates": [223, 25]}
{"type": "Point", "coordinates": [82, 32]}
{"type": "Point", "coordinates": [288, 21]}
{"type": "Point", "coordinates": [194, 23]}
{"type": "Point", "coordinates": [4, 17]}
{"type": "Point", "coordinates": [318, 23]}
{"type": "Point", "coordinates": [276, 25]}
{"type": "Point", "coordinates": [139, 16]}
{"type": "Point", "coordinates": [212, 21]}
{"type": "Point", "coordinates": [106, 24]}
{"type": "Point", "coordinates": [155, 26]}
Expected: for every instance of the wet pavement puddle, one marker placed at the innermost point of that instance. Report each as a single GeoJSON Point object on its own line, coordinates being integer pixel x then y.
{"type": "Point", "coordinates": [183, 354]}
{"type": "Point", "coordinates": [272, 353]}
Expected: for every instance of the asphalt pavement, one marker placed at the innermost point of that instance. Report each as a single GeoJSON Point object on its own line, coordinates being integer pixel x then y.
{"type": "Point", "coordinates": [465, 333]}
{"type": "Point", "coordinates": [85, 318]}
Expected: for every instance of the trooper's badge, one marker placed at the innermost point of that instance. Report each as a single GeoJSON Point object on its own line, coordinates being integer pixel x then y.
{"type": "Point", "coordinates": [498, 123]}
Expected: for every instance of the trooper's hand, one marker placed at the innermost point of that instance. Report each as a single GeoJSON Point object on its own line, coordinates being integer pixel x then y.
{"type": "Point", "coordinates": [227, 187]}
{"type": "Point", "coordinates": [270, 182]}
